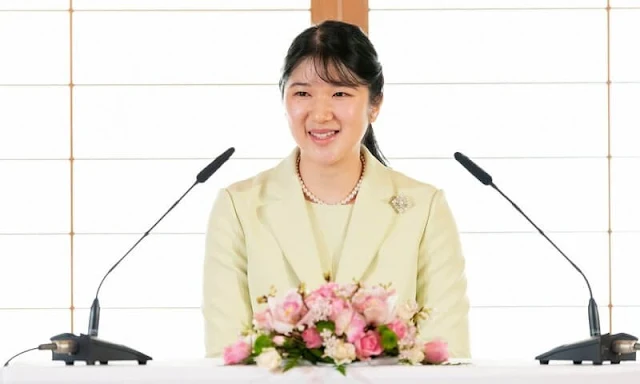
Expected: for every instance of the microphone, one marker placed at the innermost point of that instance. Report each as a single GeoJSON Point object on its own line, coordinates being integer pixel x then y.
{"type": "Point", "coordinates": [598, 348]}
{"type": "Point", "coordinates": [88, 347]}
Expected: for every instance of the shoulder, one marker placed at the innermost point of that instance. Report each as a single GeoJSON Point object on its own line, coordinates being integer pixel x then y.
{"type": "Point", "coordinates": [236, 197]}
{"type": "Point", "coordinates": [430, 197]}
{"type": "Point", "coordinates": [251, 183]}
{"type": "Point", "coordinates": [406, 183]}
{"type": "Point", "coordinates": [264, 184]}
{"type": "Point", "coordinates": [277, 173]}
{"type": "Point", "coordinates": [248, 191]}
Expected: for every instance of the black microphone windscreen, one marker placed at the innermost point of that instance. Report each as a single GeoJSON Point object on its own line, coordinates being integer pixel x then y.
{"type": "Point", "coordinates": [210, 169]}
{"type": "Point", "coordinates": [473, 168]}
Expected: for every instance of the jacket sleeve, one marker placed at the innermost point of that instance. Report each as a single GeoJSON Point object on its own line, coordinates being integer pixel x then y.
{"type": "Point", "coordinates": [226, 306]}
{"type": "Point", "coordinates": [441, 281]}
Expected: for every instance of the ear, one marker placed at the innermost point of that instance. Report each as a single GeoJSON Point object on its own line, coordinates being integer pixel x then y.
{"type": "Point", "coordinates": [374, 110]}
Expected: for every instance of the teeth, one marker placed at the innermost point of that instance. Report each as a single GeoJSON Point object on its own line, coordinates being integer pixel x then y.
{"type": "Point", "coordinates": [323, 135]}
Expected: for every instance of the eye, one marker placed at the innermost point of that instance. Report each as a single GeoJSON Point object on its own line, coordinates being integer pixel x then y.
{"type": "Point", "coordinates": [301, 93]}
{"type": "Point", "coordinates": [341, 94]}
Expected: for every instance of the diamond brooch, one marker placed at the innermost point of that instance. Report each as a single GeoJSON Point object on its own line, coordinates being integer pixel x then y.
{"type": "Point", "coordinates": [401, 203]}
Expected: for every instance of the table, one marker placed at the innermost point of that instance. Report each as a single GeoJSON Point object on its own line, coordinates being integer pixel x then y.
{"type": "Point", "coordinates": [212, 371]}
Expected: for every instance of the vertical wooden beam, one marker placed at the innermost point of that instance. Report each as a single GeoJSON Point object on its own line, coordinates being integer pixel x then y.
{"type": "Point", "coordinates": [350, 11]}
{"type": "Point", "coordinates": [356, 12]}
{"type": "Point", "coordinates": [322, 10]}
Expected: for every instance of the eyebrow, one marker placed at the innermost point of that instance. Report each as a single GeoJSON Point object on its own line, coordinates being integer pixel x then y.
{"type": "Point", "coordinates": [302, 84]}
{"type": "Point", "coordinates": [298, 84]}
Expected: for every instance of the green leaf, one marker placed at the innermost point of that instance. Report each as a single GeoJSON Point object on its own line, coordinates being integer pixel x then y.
{"type": "Point", "coordinates": [389, 339]}
{"type": "Point", "coordinates": [342, 369]}
{"type": "Point", "coordinates": [322, 325]}
{"type": "Point", "coordinates": [317, 352]}
{"type": "Point", "coordinates": [290, 364]}
{"type": "Point", "coordinates": [262, 342]}
{"type": "Point", "coordinates": [309, 356]}
{"type": "Point", "coordinates": [294, 353]}
{"type": "Point", "coordinates": [289, 343]}
{"type": "Point", "coordinates": [392, 352]}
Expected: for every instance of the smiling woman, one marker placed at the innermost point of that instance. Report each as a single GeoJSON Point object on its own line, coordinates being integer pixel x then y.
{"type": "Point", "coordinates": [332, 210]}
{"type": "Point", "coordinates": [332, 97]}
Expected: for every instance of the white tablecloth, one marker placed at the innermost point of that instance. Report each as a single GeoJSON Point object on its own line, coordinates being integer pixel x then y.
{"type": "Point", "coordinates": [211, 371]}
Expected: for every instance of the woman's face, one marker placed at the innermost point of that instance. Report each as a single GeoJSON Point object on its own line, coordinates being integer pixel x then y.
{"type": "Point", "coordinates": [327, 121]}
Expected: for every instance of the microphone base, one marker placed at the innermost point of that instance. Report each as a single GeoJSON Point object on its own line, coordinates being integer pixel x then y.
{"type": "Point", "coordinates": [92, 350]}
{"type": "Point", "coordinates": [596, 349]}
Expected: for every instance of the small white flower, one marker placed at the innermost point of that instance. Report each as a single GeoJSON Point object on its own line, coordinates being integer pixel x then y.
{"type": "Point", "coordinates": [269, 359]}
{"type": "Point", "coordinates": [319, 311]}
{"type": "Point", "coordinates": [326, 334]}
{"type": "Point", "coordinates": [323, 309]}
{"type": "Point", "coordinates": [413, 355]}
{"type": "Point", "coordinates": [409, 339]}
{"type": "Point", "coordinates": [279, 340]}
{"type": "Point", "coordinates": [405, 343]}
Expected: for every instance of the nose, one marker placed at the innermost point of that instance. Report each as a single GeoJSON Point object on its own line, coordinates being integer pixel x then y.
{"type": "Point", "coordinates": [321, 111]}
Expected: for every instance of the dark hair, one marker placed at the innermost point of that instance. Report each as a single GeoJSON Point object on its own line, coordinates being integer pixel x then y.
{"type": "Point", "coordinates": [343, 55]}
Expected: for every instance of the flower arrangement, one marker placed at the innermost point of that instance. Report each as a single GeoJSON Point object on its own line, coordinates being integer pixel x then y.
{"type": "Point", "coordinates": [335, 324]}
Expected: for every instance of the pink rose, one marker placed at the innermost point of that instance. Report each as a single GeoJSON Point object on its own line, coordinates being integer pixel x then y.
{"type": "Point", "coordinates": [313, 315]}
{"type": "Point", "coordinates": [355, 329]}
{"type": "Point", "coordinates": [326, 291]}
{"type": "Point", "coordinates": [236, 353]}
{"type": "Point", "coordinates": [312, 338]}
{"type": "Point", "coordinates": [398, 327]}
{"type": "Point", "coordinates": [351, 323]}
{"type": "Point", "coordinates": [361, 298]}
{"type": "Point", "coordinates": [286, 311]}
{"type": "Point", "coordinates": [263, 320]}
{"type": "Point", "coordinates": [358, 300]}
{"type": "Point", "coordinates": [436, 352]}
{"type": "Point", "coordinates": [376, 311]}
{"type": "Point", "coordinates": [342, 321]}
{"type": "Point", "coordinates": [368, 345]}
{"type": "Point", "coordinates": [338, 306]}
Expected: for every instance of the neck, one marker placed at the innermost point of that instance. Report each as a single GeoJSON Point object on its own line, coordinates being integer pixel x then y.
{"type": "Point", "coordinates": [332, 183]}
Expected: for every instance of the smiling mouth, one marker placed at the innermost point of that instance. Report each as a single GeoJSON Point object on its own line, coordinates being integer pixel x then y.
{"type": "Point", "coordinates": [323, 135]}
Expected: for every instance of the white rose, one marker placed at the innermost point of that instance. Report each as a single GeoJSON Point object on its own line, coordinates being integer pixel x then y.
{"type": "Point", "coordinates": [407, 310]}
{"type": "Point", "coordinates": [414, 355]}
{"type": "Point", "coordinates": [343, 353]}
{"type": "Point", "coordinates": [269, 359]}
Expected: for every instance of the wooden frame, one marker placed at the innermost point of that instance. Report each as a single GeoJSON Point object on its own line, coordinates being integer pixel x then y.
{"type": "Point", "coordinates": [351, 11]}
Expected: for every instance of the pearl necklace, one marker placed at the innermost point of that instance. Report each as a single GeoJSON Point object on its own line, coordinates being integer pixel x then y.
{"type": "Point", "coordinates": [344, 201]}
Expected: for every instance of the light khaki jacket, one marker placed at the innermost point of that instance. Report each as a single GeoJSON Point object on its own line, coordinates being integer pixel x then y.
{"type": "Point", "coordinates": [260, 235]}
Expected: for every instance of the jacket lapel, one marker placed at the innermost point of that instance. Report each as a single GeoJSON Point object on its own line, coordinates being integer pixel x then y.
{"type": "Point", "coordinates": [283, 213]}
{"type": "Point", "coordinates": [371, 221]}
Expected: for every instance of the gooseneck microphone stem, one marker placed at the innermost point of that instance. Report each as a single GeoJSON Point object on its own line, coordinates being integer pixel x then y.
{"type": "Point", "coordinates": [94, 314]}
{"type": "Point", "coordinates": [486, 179]}
{"type": "Point", "coordinates": [143, 236]}
{"type": "Point", "coordinates": [203, 176]}
{"type": "Point", "coordinates": [594, 318]}
{"type": "Point", "coordinates": [545, 236]}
